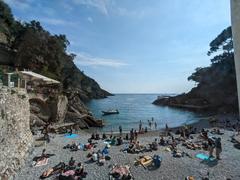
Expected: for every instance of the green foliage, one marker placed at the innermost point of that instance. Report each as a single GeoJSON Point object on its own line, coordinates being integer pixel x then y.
{"type": "Point", "coordinates": [39, 51]}
{"type": "Point", "coordinates": [6, 14]}
{"type": "Point", "coordinates": [222, 69]}
{"type": "Point", "coordinates": [48, 73]}
{"type": "Point", "coordinates": [222, 42]}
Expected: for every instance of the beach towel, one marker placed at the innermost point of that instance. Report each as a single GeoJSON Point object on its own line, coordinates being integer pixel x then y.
{"type": "Point", "coordinates": [43, 162]}
{"type": "Point", "coordinates": [71, 136]}
{"type": "Point", "coordinates": [203, 157]}
{"type": "Point", "coordinates": [118, 172]}
{"type": "Point", "coordinates": [106, 142]}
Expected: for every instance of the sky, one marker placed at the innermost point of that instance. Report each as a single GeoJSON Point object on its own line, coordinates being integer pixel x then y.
{"type": "Point", "coordinates": [141, 46]}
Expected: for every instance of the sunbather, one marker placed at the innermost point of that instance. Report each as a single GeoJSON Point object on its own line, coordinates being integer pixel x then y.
{"type": "Point", "coordinates": [119, 141]}
{"type": "Point", "coordinates": [80, 171]}
{"type": "Point", "coordinates": [154, 145]}
{"type": "Point", "coordinates": [71, 164]}
{"type": "Point", "coordinates": [105, 151]}
{"type": "Point", "coordinates": [162, 141]}
{"type": "Point", "coordinates": [43, 155]}
{"type": "Point", "coordinates": [54, 170]}
{"type": "Point", "coordinates": [204, 134]}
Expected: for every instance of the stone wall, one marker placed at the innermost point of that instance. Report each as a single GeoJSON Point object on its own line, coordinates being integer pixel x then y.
{"type": "Point", "coordinates": [15, 135]}
{"type": "Point", "coordinates": [235, 17]}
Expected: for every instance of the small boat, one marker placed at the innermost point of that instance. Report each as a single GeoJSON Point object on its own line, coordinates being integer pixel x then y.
{"type": "Point", "coordinates": [109, 112]}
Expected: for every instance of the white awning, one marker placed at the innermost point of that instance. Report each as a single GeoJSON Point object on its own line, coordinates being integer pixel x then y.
{"type": "Point", "coordinates": [39, 77]}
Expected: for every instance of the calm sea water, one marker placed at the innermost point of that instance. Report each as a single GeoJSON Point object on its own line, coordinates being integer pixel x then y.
{"type": "Point", "coordinates": [136, 107]}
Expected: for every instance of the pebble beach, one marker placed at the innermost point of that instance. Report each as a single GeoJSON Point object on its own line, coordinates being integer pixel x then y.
{"type": "Point", "coordinates": [171, 167]}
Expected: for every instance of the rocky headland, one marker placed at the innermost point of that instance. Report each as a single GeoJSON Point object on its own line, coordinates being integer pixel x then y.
{"type": "Point", "coordinates": [216, 88]}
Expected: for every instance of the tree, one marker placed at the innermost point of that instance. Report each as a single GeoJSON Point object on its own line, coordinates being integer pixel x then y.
{"type": "Point", "coordinates": [222, 64]}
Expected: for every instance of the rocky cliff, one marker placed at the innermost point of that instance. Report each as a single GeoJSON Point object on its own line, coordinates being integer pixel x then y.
{"type": "Point", "coordinates": [15, 135]}
{"type": "Point", "coordinates": [30, 46]}
{"type": "Point", "coordinates": [216, 88]}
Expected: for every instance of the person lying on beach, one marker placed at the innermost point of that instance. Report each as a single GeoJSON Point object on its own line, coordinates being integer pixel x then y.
{"type": "Point", "coordinates": [74, 174]}
{"type": "Point", "coordinates": [54, 170]}
{"type": "Point", "coordinates": [42, 156]}
{"type": "Point", "coordinates": [72, 147]}
{"type": "Point", "coordinates": [217, 131]}
{"type": "Point", "coordinates": [191, 145]}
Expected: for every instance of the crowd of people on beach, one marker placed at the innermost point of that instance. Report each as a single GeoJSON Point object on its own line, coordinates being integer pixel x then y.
{"type": "Point", "coordinates": [170, 139]}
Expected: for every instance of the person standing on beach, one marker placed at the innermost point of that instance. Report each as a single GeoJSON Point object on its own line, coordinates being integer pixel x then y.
{"type": "Point", "coordinates": [120, 130]}
{"type": "Point", "coordinates": [135, 135]}
{"type": "Point", "coordinates": [131, 135]}
{"type": "Point", "coordinates": [155, 125]}
{"type": "Point", "coordinates": [140, 126]}
{"type": "Point", "coordinates": [166, 129]}
{"type": "Point", "coordinates": [211, 146]}
{"type": "Point", "coordinates": [218, 146]}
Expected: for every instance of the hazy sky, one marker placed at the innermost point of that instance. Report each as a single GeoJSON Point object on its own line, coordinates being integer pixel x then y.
{"type": "Point", "coordinates": [133, 46]}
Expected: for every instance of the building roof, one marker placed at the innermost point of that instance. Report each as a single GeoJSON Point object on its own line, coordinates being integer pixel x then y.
{"type": "Point", "coordinates": [39, 77]}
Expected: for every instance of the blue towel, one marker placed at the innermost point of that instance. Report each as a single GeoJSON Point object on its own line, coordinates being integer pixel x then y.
{"type": "Point", "coordinates": [203, 157]}
{"type": "Point", "coordinates": [71, 136]}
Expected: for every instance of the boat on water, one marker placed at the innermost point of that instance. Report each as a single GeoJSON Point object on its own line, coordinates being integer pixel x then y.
{"type": "Point", "coordinates": [109, 112]}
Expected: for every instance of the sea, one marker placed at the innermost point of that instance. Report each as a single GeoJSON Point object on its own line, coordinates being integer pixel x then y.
{"type": "Point", "coordinates": [135, 107]}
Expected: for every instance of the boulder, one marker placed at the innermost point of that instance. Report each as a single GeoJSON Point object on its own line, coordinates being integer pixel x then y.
{"type": "Point", "coordinates": [61, 108]}
{"type": "Point", "coordinates": [36, 121]}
